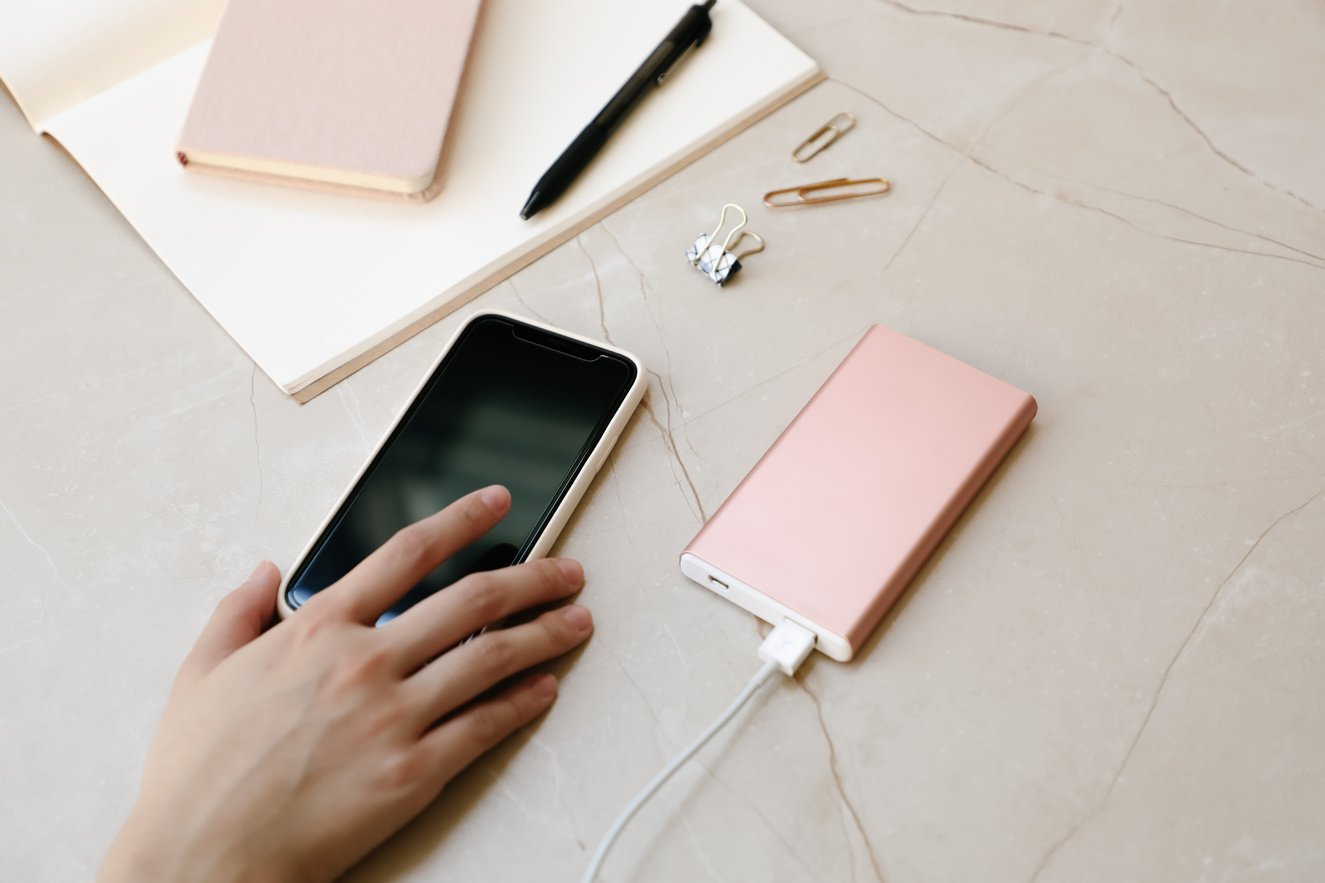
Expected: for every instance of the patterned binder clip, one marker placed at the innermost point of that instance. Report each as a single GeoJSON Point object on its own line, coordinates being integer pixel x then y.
{"type": "Point", "coordinates": [719, 262]}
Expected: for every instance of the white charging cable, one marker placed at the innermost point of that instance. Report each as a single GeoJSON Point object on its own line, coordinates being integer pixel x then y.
{"type": "Point", "coordinates": [783, 650]}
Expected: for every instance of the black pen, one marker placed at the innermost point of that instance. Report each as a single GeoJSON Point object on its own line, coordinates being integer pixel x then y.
{"type": "Point", "coordinates": [689, 32]}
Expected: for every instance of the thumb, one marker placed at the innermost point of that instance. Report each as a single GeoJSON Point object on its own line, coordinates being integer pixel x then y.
{"type": "Point", "coordinates": [239, 618]}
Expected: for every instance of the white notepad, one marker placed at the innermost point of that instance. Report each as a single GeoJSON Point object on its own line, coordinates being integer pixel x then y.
{"type": "Point", "coordinates": [313, 285]}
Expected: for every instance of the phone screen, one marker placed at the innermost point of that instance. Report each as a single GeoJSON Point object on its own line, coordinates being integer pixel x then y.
{"type": "Point", "coordinates": [509, 404]}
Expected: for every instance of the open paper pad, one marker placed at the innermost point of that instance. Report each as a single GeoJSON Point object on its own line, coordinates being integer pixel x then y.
{"type": "Point", "coordinates": [313, 285]}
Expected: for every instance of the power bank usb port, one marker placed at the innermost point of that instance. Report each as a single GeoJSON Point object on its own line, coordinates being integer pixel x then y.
{"type": "Point", "coordinates": [717, 582]}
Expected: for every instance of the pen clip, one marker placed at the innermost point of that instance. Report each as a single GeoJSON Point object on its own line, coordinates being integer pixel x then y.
{"type": "Point", "coordinates": [675, 64]}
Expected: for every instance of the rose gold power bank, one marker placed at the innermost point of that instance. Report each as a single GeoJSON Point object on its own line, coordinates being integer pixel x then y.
{"type": "Point", "coordinates": [842, 510]}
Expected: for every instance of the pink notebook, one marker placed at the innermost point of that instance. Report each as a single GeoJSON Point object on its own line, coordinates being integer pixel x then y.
{"type": "Point", "coordinates": [332, 93]}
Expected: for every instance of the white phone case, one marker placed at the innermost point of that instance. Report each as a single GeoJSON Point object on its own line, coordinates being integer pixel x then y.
{"type": "Point", "coordinates": [581, 483]}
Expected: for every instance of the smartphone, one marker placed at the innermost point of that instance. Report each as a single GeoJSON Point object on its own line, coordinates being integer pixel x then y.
{"type": "Point", "coordinates": [510, 402]}
{"type": "Point", "coordinates": [844, 508]}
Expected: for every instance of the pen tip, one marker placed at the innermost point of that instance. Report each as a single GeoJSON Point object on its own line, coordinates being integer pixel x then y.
{"type": "Point", "coordinates": [531, 206]}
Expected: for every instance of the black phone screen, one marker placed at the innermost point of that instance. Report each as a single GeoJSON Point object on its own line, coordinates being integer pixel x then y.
{"type": "Point", "coordinates": [509, 404]}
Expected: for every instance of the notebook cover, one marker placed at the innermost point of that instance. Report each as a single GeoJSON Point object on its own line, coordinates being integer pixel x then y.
{"type": "Point", "coordinates": [847, 504]}
{"type": "Point", "coordinates": [355, 96]}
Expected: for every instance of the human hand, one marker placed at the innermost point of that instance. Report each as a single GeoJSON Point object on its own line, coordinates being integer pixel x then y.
{"type": "Point", "coordinates": [289, 754]}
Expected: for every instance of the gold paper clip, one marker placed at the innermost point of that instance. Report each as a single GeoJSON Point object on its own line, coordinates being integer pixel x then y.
{"type": "Point", "coordinates": [825, 136]}
{"type": "Point", "coordinates": [801, 195]}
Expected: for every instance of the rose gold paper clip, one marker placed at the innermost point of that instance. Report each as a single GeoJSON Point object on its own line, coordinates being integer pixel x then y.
{"type": "Point", "coordinates": [829, 132]}
{"type": "Point", "coordinates": [813, 194]}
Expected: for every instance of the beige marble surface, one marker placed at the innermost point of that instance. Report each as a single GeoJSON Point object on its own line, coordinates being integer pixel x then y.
{"type": "Point", "coordinates": [1111, 671]}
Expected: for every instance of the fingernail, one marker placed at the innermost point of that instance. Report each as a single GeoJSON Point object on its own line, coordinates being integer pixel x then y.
{"type": "Point", "coordinates": [495, 497]}
{"type": "Point", "coordinates": [572, 570]}
{"type": "Point", "coordinates": [544, 686]}
{"type": "Point", "coordinates": [257, 570]}
{"type": "Point", "coordinates": [578, 617]}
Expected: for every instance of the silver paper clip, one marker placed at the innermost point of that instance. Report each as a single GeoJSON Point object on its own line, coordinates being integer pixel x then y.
{"type": "Point", "coordinates": [719, 262]}
{"type": "Point", "coordinates": [829, 132]}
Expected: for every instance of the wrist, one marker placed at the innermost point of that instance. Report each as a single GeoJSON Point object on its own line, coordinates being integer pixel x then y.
{"type": "Point", "coordinates": [133, 856]}
{"type": "Point", "coordinates": [145, 852]}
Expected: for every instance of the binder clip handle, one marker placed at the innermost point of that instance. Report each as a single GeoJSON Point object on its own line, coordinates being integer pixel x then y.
{"type": "Point", "coordinates": [719, 262]}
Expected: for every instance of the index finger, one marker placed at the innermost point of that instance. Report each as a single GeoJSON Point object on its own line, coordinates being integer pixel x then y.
{"type": "Point", "coordinates": [397, 566]}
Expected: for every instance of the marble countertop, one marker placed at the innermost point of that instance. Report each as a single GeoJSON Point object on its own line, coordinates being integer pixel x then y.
{"type": "Point", "coordinates": [1111, 670]}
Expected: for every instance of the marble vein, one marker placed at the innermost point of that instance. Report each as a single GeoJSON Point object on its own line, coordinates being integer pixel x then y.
{"type": "Point", "coordinates": [1112, 53]}
{"type": "Point", "coordinates": [1269, 240]}
{"type": "Point", "coordinates": [795, 366]}
{"type": "Point", "coordinates": [620, 503]}
{"type": "Point", "coordinates": [836, 772]}
{"type": "Point", "coordinates": [1292, 424]}
{"type": "Point", "coordinates": [555, 764]}
{"type": "Point", "coordinates": [23, 532]}
{"type": "Point", "coordinates": [681, 655]}
{"type": "Point", "coordinates": [350, 401]}
{"type": "Point", "coordinates": [598, 289]}
{"type": "Point", "coordinates": [1137, 227]}
{"type": "Point", "coordinates": [1062, 200]}
{"type": "Point", "coordinates": [626, 255]}
{"type": "Point", "coordinates": [699, 849]}
{"type": "Point", "coordinates": [639, 691]}
{"type": "Point", "coordinates": [966, 155]}
{"type": "Point", "coordinates": [59, 393]}
{"type": "Point", "coordinates": [1117, 12]}
{"type": "Point", "coordinates": [764, 819]}
{"type": "Point", "coordinates": [524, 303]}
{"type": "Point", "coordinates": [193, 404]}
{"type": "Point", "coordinates": [95, 385]}
{"type": "Point", "coordinates": [665, 432]}
{"type": "Point", "coordinates": [22, 642]}
{"type": "Point", "coordinates": [50, 561]}
{"type": "Point", "coordinates": [1141, 729]}
{"type": "Point", "coordinates": [984, 22]}
{"type": "Point", "coordinates": [662, 339]}
{"type": "Point", "coordinates": [674, 455]}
